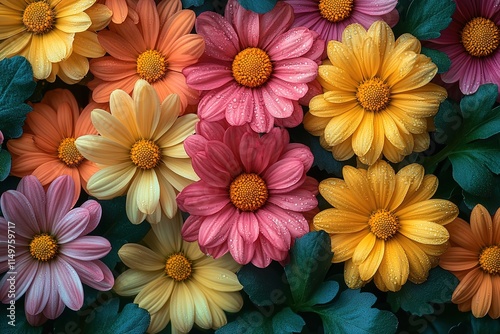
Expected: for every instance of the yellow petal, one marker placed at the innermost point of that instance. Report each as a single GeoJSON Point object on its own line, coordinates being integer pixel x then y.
{"type": "Point", "coordinates": [343, 126]}
{"type": "Point", "coordinates": [155, 294]}
{"type": "Point", "coordinates": [342, 151]}
{"type": "Point", "coordinates": [183, 127]}
{"type": "Point", "coordinates": [421, 191]}
{"type": "Point", "coordinates": [216, 278]}
{"type": "Point", "coordinates": [364, 248]}
{"type": "Point", "coordinates": [357, 181]}
{"type": "Point", "coordinates": [382, 182]}
{"type": "Point", "coordinates": [135, 215]}
{"type": "Point", "coordinates": [315, 125]}
{"type": "Point", "coordinates": [433, 210]}
{"type": "Point", "coordinates": [343, 245]}
{"type": "Point", "coordinates": [424, 232]}
{"type": "Point", "coordinates": [203, 317]}
{"type": "Point", "coordinates": [337, 193]}
{"type": "Point", "coordinates": [41, 65]}
{"type": "Point", "coordinates": [159, 320]}
{"type": "Point", "coordinates": [363, 137]}
{"type": "Point", "coordinates": [110, 127]}
{"type": "Point", "coordinates": [87, 45]}
{"type": "Point", "coordinates": [148, 191]}
{"type": "Point", "coordinates": [418, 261]}
{"type": "Point", "coordinates": [342, 57]}
{"type": "Point", "coordinates": [340, 221]}
{"type": "Point", "coordinates": [408, 180]}
{"type": "Point", "coordinates": [170, 110]}
{"type": "Point", "coordinates": [138, 257]}
{"type": "Point", "coordinates": [147, 108]}
{"type": "Point", "coordinates": [369, 267]}
{"type": "Point", "coordinates": [74, 68]}
{"type": "Point", "coordinates": [351, 275]}
{"type": "Point", "coordinates": [132, 281]}
{"type": "Point", "coordinates": [394, 268]}
{"type": "Point", "coordinates": [74, 23]}
{"type": "Point", "coordinates": [121, 105]}
{"type": "Point", "coordinates": [182, 308]}
{"type": "Point", "coordinates": [182, 167]}
{"type": "Point", "coordinates": [112, 181]}
{"type": "Point", "coordinates": [100, 15]}
{"type": "Point", "coordinates": [101, 150]}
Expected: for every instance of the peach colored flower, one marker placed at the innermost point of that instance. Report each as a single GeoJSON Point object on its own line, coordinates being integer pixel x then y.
{"type": "Point", "coordinates": [121, 10]}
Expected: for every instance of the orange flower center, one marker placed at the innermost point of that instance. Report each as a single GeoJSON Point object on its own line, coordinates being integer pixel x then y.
{"type": "Point", "coordinates": [145, 154]}
{"type": "Point", "coordinates": [43, 247]}
{"type": "Point", "coordinates": [335, 10]}
{"type": "Point", "coordinates": [178, 267]}
{"type": "Point", "coordinates": [39, 18]}
{"type": "Point", "coordinates": [68, 153]}
{"type": "Point", "coordinates": [151, 66]}
{"type": "Point", "coordinates": [480, 37]}
{"type": "Point", "coordinates": [489, 260]}
{"type": "Point", "coordinates": [384, 224]}
{"type": "Point", "coordinates": [373, 94]}
{"type": "Point", "coordinates": [248, 192]}
{"type": "Point", "coordinates": [252, 67]}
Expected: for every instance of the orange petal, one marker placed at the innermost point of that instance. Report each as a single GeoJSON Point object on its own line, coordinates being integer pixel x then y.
{"type": "Point", "coordinates": [481, 225]}
{"type": "Point", "coordinates": [468, 287]}
{"type": "Point", "coordinates": [458, 258]}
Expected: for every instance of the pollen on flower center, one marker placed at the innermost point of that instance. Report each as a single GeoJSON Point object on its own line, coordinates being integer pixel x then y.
{"type": "Point", "coordinates": [248, 192]}
{"type": "Point", "coordinates": [480, 37]}
{"type": "Point", "coordinates": [145, 154]}
{"type": "Point", "coordinates": [489, 260]}
{"type": "Point", "coordinates": [68, 153]}
{"type": "Point", "coordinates": [151, 66]}
{"type": "Point", "coordinates": [43, 247]}
{"type": "Point", "coordinates": [373, 94]}
{"type": "Point", "coordinates": [38, 17]}
{"type": "Point", "coordinates": [252, 67]}
{"type": "Point", "coordinates": [178, 267]}
{"type": "Point", "coordinates": [335, 10]}
{"type": "Point", "coordinates": [384, 224]}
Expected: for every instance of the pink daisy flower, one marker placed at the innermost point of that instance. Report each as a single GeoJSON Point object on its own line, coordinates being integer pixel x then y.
{"type": "Point", "coordinates": [54, 256]}
{"type": "Point", "coordinates": [255, 68]}
{"type": "Point", "coordinates": [472, 42]}
{"type": "Point", "coordinates": [252, 195]}
{"type": "Point", "coordinates": [330, 17]}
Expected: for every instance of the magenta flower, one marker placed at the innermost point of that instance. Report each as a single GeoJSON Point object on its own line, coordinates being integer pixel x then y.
{"type": "Point", "coordinates": [252, 195]}
{"type": "Point", "coordinates": [53, 254]}
{"type": "Point", "coordinates": [255, 68]}
{"type": "Point", "coordinates": [472, 42]}
{"type": "Point", "coordinates": [330, 17]}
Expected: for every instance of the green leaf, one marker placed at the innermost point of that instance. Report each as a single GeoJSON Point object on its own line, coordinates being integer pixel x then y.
{"type": "Point", "coordinates": [190, 3]}
{"type": "Point", "coordinates": [424, 19]}
{"type": "Point", "coordinates": [253, 322]}
{"type": "Point", "coordinates": [310, 260]}
{"type": "Point", "coordinates": [324, 293]}
{"type": "Point", "coordinates": [287, 322]}
{"type": "Point", "coordinates": [116, 227]}
{"type": "Point", "coordinates": [264, 286]}
{"type": "Point", "coordinates": [439, 58]}
{"type": "Point", "coordinates": [352, 313]}
{"type": "Point", "coordinates": [5, 163]}
{"type": "Point", "coordinates": [489, 202]}
{"type": "Point", "coordinates": [131, 320]}
{"type": "Point", "coordinates": [417, 298]}
{"type": "Point", "coordinates": [16, 86]}
{"type": "Point", "coordinates": [485, 325]}
{"type": "Point", "coordinates": [261, 6]}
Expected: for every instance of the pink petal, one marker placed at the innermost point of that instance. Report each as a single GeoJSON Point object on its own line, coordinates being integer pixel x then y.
{"type": "Point", "coordinates": [59, 198]}
{"type": "Point", "coordinates": [149, 22]}
{"type": "Point", "coordinates": [212, 130]}
{"type": "Point", "coordinates": [241, 251]}
{"type": "Point", "coordinates": [213, 103]}
{"type": "Point", "coordinates": [35, 320]}
{"type": "Point", "coordinates": [295, 222]}
{"type": "Point", "coordinates": [273, 252]}
{"type": "Point", "coordinates": [92, 273]}
{"type": "Point", "coordinates": [221, 41]}
{"type": "Point", "coordinates": [34, 192]}
{"type": "Point", "coordinates": [86, 248]}
{"type": "Point", "coordinates": [215, 252]}
{"type": "Point", "coordinates": [273, 228]}
{"type": "Point", "coordinates": [55, 305]}
{"type": "Point", "coordinates": [232, 138]}
{"type": "Point", "coordinates": [215, 228]}
{"type": "Point", "coordinates": [317, 51]}
{"type": "Point", "coordinates": [375, 7]}
{"type": "Point", "coordinates": [262, 121]}
{"type": "Point", "coordinates": [69, 285]}
{"type": "Point", "coordinates": [191, 227]}
{"type": "Point", "coordinates": [277, 106]}
{"type": "Point", "coordinates": [254, 154]}
{"type": "Point", "coordinates": [300, 152]}
{"type": "Point", "coordinates": [299, 200]}
{"type": "Point", "coordinates": [106, 283]}
{"type": "Point", "coordinates": [37, 295]}
{"type": "Point", "coordinates": [246, 24]}
{"type": "Point", "coordinates": [292, 121]}
{"type": "Point", "coordinates": [292, 44]}
{"type": "Point", "coordinates": [239, 108]}
{"type": "Point", "coordinates": [221, 157]}
{"type": "Point", "coordinates": [26, 268]}
{"type": "Point", "coordinates": [208, 75]}
{"type": "Point", "coordinates": [71, 225]}
{"type": "Point", "coordinates": [201, 199]}
{"type": "Point", "coordinates": [17, 209]}
{"type": "Point", "coordinates": [260, 258]}
{"type": "Point", "coordinates": [248, 226]}
{"type": "Point", "coordinates": [270, 27]}
{"type": "Point", "coordinates": [285, 89]}
{"type": "Point", "coordinates": [284, 175]}
{"type": "Point", "coordinates": [95, 213]}
{"type": "Point", "coordinates": [297, 70]}
{"type": "Point", "coordinates": [195, 143]}
{"type": "Point", "coordinates": [212, 175]}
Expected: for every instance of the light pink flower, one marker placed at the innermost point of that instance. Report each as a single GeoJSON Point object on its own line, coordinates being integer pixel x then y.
{"type": "Point", "coordinates": [255, 68]}
{"type": "Point", "coordinates": [53, 254]}
{"type": "Point", "coordinates": [252, 195]}
{"type": "Point", "coordinates": [329, 18]}
{"type": "Point", "coordinates": [472, 41]}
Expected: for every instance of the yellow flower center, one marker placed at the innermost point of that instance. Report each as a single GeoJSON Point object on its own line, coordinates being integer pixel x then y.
{"type": "Point", "coordinates": [145, 154]}
{"type": "Point", "coordinates": [178, 267]}
{"type": "Point", "coordinates": [68, 153]}
{"type": "Point", "coordinates": [384, 224]}
{"type": "Point", "coordinates": [151, 66]}
{"type": "Point", "coordinates": [373, 94]}
{"type": "Point", "coordinates": [489, 260]}
{"type": "Point", "coordinates": [252, 67]}
{"type": "Point", "coordinates": [480, 37]}
{"type": "Point", "coordinates": [39, 18]}
{"type": "Point", "coordinates": [248, 192]}
{"type": "Point", "coordinates": [43, 247]}
{"type": "Point", "coordinates": [335, 10]}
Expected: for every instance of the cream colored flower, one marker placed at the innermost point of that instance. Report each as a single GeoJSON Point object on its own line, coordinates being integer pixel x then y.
{"type": "Point", "coordinates": [140, 151]}
{"type": "Point", "coordinates": [176, 282]}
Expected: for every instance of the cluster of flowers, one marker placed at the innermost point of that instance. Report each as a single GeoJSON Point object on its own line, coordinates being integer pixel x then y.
{"type": "Point", "coordinates": [197, 123]}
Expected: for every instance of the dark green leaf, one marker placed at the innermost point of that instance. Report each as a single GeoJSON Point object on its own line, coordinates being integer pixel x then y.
{"type": "Point", "coordinates": [310, 260]}
{"type": "Point", "coordinates": [417, 298]}
{"type": "Point", "coordinates": [5, 163]}
{"type": "Point", "coordinates": [261, 6]}
{"type": "Point", "coordinates": [485, 325]}
{"type": "Point", "coordinates": [489, 202]}
{"type": "Point", "coordinates": [324, 293]}
{"type": "Point", "coordinates": [447, 121]}
{"type": "Point", "coordinates": [264, 286]}
{"type": "Point", "coordinates": [16, 86]}
{"type": "Point", "coordinates": [439, 58]}
{"type": "Point", "coordinates": [424, 19]}
{"type": "Point", "coordinates": [287, 322]}
{"type": "Point", "coordinates": [253, 322]}
{"type": "Point", "coordinates": [194, 3]}
{"type": "Point", "coordinates": [352, 313]}
{"type": "Point", "coordinates": [116, 227]}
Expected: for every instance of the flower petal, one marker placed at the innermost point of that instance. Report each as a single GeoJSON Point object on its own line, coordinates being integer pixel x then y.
{"type": "Point", "coordinates": [142, 258]}
{"type": "Point", "coordinates": [86, 248]}
{"type": "Point", "coordinates": [69, 285]}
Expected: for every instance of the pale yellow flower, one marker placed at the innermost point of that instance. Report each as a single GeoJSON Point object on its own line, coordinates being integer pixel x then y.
{"type": "Point", "coordinates": [175, 282]}
{"type": "Point", "coordinates": [140, 151]}
{"type": "Point", "coordinates": [384, 225]}
{"type": "Point", "coordinates": [41, 31]}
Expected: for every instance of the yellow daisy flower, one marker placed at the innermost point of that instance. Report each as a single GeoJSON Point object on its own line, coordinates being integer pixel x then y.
{"type": "Point", "coordinates": [42, 31]}
{"type": "Point", "coordinates": [140, 151]}
{"type": "Point", "coordinates": [384, 225]}
{"type": "Point", "coordinates": [174, 281]}
{"type": "Point", "coordinates": [377, 96]}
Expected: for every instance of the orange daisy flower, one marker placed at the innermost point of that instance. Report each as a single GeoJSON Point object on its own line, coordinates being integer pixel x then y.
{"type": "Point", "coordinates": [475, 259]}
{"type": "Point", "coordinates": [47, 147]}
{"type": "Point", "coordinates": [156, 50]}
